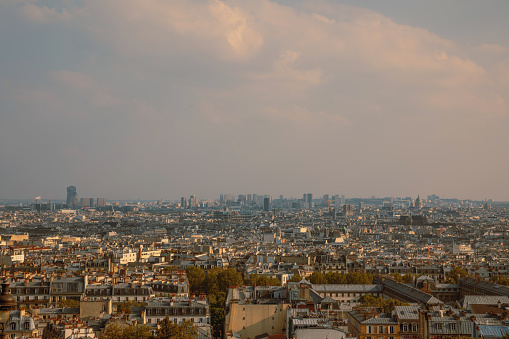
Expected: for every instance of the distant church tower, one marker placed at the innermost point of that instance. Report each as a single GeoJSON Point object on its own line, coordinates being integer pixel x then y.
{"type": "Point", "coordinates": [418, 203]}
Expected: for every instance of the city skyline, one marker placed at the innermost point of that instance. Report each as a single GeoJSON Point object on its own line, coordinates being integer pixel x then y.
{"type": "Point", "coordinates": [140, 100]}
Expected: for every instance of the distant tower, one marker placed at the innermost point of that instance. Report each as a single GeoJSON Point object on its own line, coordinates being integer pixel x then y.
{"type": "Point", "coordinates": [183, 202]}
{"type": "Point", "coordinates": [266, 204]}
{"type": "Point", "coordinates": [309, 200]}
{"type": "Point", "coordinates": [72, 195]}
{"type": "Point", "coordinates": [418, 203]}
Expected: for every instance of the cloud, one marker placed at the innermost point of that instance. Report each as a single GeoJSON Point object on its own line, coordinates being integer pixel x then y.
{"type": "Point", "coordinates": [44, 14]}
{"type": "Point", "coordinates": [74, 79]}
{"type": "Point", "coordinates": [183, 77]}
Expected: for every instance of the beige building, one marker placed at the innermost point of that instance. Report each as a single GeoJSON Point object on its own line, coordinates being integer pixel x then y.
{"type": "Point", "coordinates": [251, 320]}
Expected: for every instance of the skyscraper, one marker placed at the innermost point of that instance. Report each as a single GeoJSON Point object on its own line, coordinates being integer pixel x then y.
{"type": "Point", "coordinates": [71, 195]}
{"type": "Point", "coordinates": [266, 204]}
{"type": "Point", "coordinates": [100, 202]}
{"type": "Point", "coordinates": [309, 200]}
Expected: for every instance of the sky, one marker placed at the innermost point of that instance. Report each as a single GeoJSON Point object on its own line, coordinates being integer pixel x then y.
{"type": "Point", "coordinates": [157, 99]}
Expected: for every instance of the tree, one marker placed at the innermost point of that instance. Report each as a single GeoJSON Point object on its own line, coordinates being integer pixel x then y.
{"type": "Point", "coordinates": [387, 305]}
{"type": "Point", "coordinates": [69, 303]}
{"type": "Point", "coordinates": [114, 330]}
{"type": "Point", "coordinates": [457, 271]}
{"type": "Point", "coordinates": [407, 278]}
{"type": "Point", "coordinates": [196, 277]}
{"type": "Point", "coordinates": [127, 306]}
{"type": "Point", "coordinates": [317, 278]}
{"type": "Point", "coordinates": [167, 329]}
{"type": "Point", "coordinates": [296, 278]}
{"type": "Point", "coordinates": [398, 277]}
{"type": "Point", "coordinates": [261, 280]}
{"type": "Point", "coordinates": [170, 268]}
{"type": "Point", "coordinates": [137, 332]}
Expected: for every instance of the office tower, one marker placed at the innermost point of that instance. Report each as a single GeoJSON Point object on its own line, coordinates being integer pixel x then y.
{"type": "Point", "coordinates": [183, 202]}
{"type": "Point", "coordinates": [361, 206]}
{"type": "Point", "coordinates": [249, 198]}
{"type": "Point", "coordinates": [309, 200]}
{"type": "Point", "coordinates": [101, 202]}
{"type": "Point", "coordinates": [304, 197]}
{"type": "Point", "coordinates": [281, 197]}
{"type": "Point", "coordinates": [193, 201]}
{"type": "Point", "coordinates": [87, 202]}
{"type": "Point", "coordinates": [337, 202]}
{"type": "Point", "coordinates": [343, 200]}
{"type": "Point", "coordinates": [71, 195]}
{"type": "Point", "coordinates": [325, 198]}
{"type": "Point", "coordinates": [266, 204]}
{"type": "Point", "coordinates": [347, 210]}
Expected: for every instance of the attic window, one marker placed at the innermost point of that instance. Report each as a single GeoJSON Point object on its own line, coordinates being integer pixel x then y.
{"type": "Point", "coordinates": [439, 326]}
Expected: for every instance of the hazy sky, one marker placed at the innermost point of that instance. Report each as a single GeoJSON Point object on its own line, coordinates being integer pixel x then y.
{"type": "Point", "coordinates": [157, 99]}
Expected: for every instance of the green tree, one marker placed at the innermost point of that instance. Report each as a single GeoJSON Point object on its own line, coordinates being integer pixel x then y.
{"type": "Point", "coordinates": [455, 272]}
{"type": "Point", "coordinates": [127, 306]}
{"type": "Point", "coordinates": [137, 332]}
{"type": "Point", "coordinates": [170, 268]}
{"type": "Point", "coordinates": [196, 277]}
{"type": "Point", "coordinates": [114, 330]}
{"type": "Point", "coordinates": [335, 278]}
{"type": "Point", "coordinates": [167, 329]}
{"type": "Point", "coordinates": [261, 280]}
{"type": "Point", "coordinates": [68, 303]}
{"type": "Point", "coordinates": [387, 305]}
{"type": "Point", "coordinates": [398, 277]}
{"type": "Point", "coordinates": [296, 278]}
{"type": "Point", "coordinates": [317, 278]}
{"type": "Point", "coordinates": [407, 278]}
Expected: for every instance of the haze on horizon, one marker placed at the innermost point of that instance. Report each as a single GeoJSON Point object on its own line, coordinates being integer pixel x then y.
{"type": "Point", "coordinates": [155, 99]}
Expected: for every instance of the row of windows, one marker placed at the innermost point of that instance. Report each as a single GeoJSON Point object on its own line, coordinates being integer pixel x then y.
{"type": "Point", "coordinates": [353, 294]}
{"type": "Point", "coordinates": [405, 328]}
{"type": "Point", "coordinates": [175, 310]}
{"type": "Point", "coordinates": [29, 291]}
{"type": "Point", "coordinates": [381, 329]}
{"type": "Point", "coordinates": [440, 326]}
{"type": "Point", "coordinates": [175, 320]}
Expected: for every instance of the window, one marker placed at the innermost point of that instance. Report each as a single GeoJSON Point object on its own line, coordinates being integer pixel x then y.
{"type": "Point", "coordinates": [380, 329]}
{"type": "Point", "coordinates": [439, 326]}
{"type": "Point", "coordinates": [453, 326]}
{"type": "Point", "coordinates": [405, 328]}
{"type": "Point", "coordinates": [369, 329]}
{"type": "Point", "coordinates": [414, 328]}
{"type": "Point", "coordinates": [13, 326]}
{"type": "Point", "coordinates": [391, 329]}
{"type": "Point", "coordinates": [27, 325]}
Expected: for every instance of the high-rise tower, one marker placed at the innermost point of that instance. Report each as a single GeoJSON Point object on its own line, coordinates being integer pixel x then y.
{"type": "Point", "coordinates": [71, 195]}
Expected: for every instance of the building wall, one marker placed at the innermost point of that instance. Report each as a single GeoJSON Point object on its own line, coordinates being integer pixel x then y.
{"type": "Point", "coordinates": [252, 320]}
